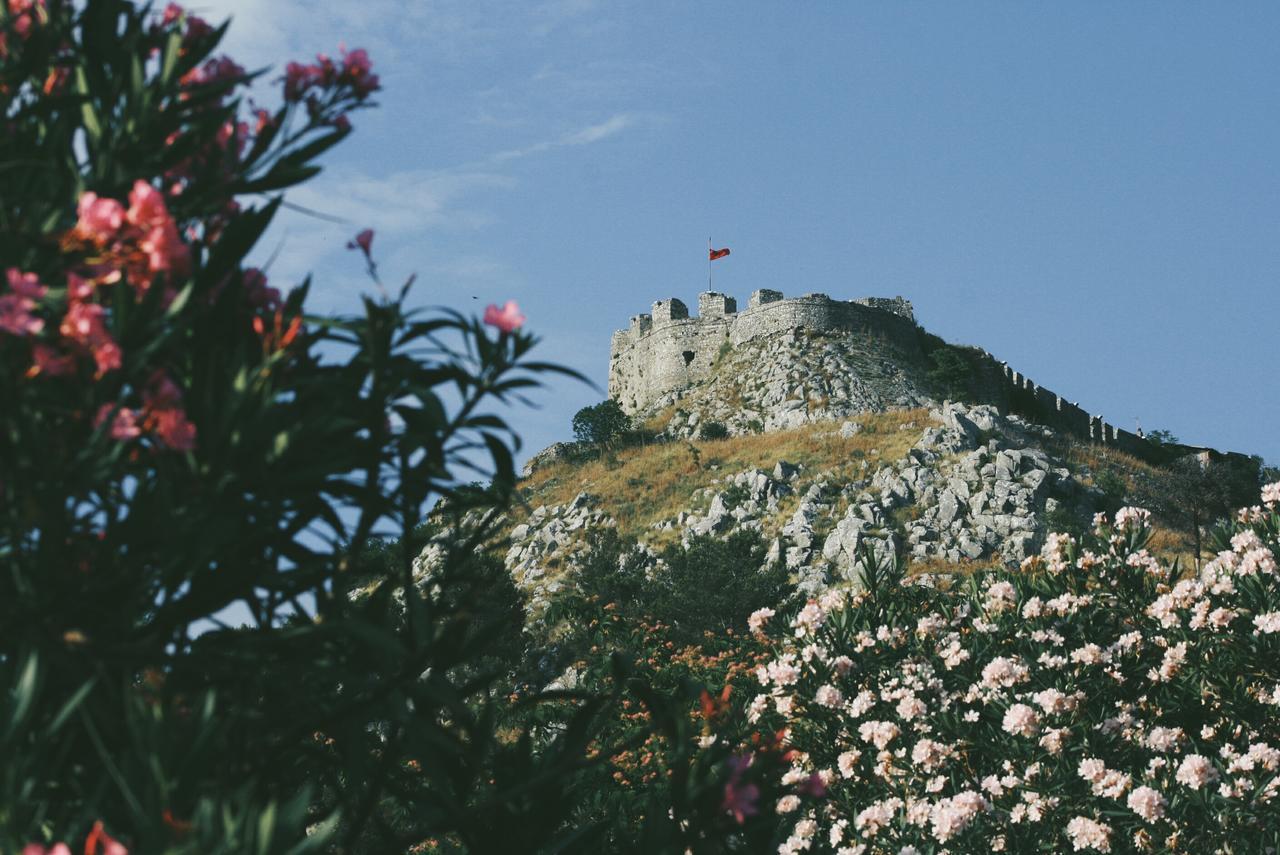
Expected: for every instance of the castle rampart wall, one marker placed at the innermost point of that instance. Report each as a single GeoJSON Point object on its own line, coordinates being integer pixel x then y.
{"type": "Point", "coordinates": [1014, 392]}
{"type": "Point", "coordinates": [668, 350]}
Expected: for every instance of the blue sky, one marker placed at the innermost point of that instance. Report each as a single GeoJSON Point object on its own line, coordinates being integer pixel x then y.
{"type": "Point", "coordinates": [1090, 191]}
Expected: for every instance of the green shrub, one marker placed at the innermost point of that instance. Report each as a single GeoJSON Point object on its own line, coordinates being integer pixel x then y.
{"type": "Point", "coordinates": [712, 430]}
{"type": "Point", "coordinates": [950, 373]}
{"type": "Point", "coordinates": [601, 424]}
{"type": "Point", "coordinates": [713, 585]}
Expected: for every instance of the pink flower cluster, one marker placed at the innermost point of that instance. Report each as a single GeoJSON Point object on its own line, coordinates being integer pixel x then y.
{"type": "Point", "coordinates": [97, 843]}
{"type": "Point", "coordinates": [507, 319]}
{"type": "Point", "coordinates": [142, 239]}
{"type": "Point", "coordinates": [174, 15]}
{"type": "Point", "coordinates": [17, 307]}
{"type": "Point", "coordinates": [161, 415]}
{"type": "Point", "coordinates": [354, 74]}
{"type": "Point", "coordinates": [23, 15]}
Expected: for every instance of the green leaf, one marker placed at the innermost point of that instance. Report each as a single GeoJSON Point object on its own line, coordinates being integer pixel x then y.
{"type": "Point", "coordinates": [70, 706]}
{"type": "Point", "coordinates": [88, 114]}
{"type": "Point", "coordinates": [266, 828]}
{"type": "Point", "coordinates": [180, 301]}
{"type": "Point", "coordinates": [279, 178]}
{"type": "Point", "coordinates": [25, 691]}
{"type": "Point", "coordinates": [172, 50]}
{"type": "Point", "coordinates": [315, 148]}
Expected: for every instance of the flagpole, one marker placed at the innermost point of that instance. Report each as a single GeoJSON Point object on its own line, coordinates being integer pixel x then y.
{"type": "Point", "coordinates": [709, 288]}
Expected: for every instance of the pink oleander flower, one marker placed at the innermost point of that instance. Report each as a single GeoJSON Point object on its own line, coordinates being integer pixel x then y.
{"type": "Point", "coordinates": [174, 430]}
{"type": "Point", "coordinates": [759, 618]}
{"type": "Point", "coordinates": [37, 849]}
{"type": "Point", "coordinates": [878, 733]}
{"type": "Point", "coordinates": [197, 27]}
{"type": "Point", "coordinates": [1003, 672]}
{"type": "Point", "coordinates": [99, 219]}
{"type": "Point", "coordinates": [507, 319]}
{"type": "Point", "coordinates": [147, 208]}
{"type": "Point", "coordinates": [25, 284]}
{"type": "Point", "coordinates": [298, 79]}
{"type": "Point", "coordinates": [1130, 518]}
{"type": "Point", "coordinates": [357, 72]}
{"type": "Point", "coordinates": [84, 326]}
{"type": "Point", "coordinates": [952, 815]}
{"type": "Point", "coordinates": [1021, 720]}
{"type": "Point", "coordinates": [82, 323]}
{"type": "Point", "coordinates": [1271, 494]}
{"type": "Point", "coordinates": [1163, 739]}
{"type": "Point", "coordinates": [808, 619]}
{"type": "Point", "coordinates": [362, 242]}
{"type": "Point", "coordinates": [166, 252]}
{"type": "Point", "coordinates": [1085, 833]}
{"type": "Point", "coordinates": [828, 696]}
{"type": "Point", "coordinates": [929, 754]}
{"type": "Point", "coordinates": [124, 425]}
{"type": "Point", "coordinates": [45, 360]}
{"type": "Point", "coordinates": [106, 355]}
{"type": "Point", "coordinates": [79, 288]}
{"type": "Point", "coordinates": [910, 707]}
{"type": "Point", "coordinates": [1147, 803]}
{"type": "Point", "coordinates": [16, 306]}
{"type": "Point", "coordinates": [1267, 623]}
{"type": "Point", "coordinates": [1196, 771]}
{"type": "Point", "coordinates": [161, 393]}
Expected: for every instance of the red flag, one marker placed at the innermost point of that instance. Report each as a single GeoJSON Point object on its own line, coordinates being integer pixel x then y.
{"type": "Point", "coordinates": [719, 253]}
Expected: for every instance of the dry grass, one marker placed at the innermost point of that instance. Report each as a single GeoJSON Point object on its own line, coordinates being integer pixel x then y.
{"type": "Point", "coordinates": [941, 566]}
{"type": "Point", "coordinates": [652, 483]}
{"type": "Point", "coordinates": [1169, 544]}
{"type": "Point", "coordinates": [1099, 458]}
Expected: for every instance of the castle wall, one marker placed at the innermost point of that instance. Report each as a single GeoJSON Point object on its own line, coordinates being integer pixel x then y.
{"type": "Point", "coordinates": [668, 350]}
{"type": "Point", "coordinates": [1014, 392]}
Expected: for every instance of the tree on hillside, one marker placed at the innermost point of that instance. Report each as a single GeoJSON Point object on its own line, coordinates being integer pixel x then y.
{"type": "Point", "coordinates": [601, 424]}
{"type": "Point", "coordinates": [1195, 492]}
{"type": "Point", "coordinates": [950, 372]}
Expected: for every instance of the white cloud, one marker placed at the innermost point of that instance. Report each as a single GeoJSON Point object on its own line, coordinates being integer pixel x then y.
{"type": "Point", "coordinates": [585, 136]}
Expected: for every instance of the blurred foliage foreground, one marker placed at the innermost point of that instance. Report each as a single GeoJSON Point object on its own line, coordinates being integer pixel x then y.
{"type": "Point", "coordinates": [177, 437]}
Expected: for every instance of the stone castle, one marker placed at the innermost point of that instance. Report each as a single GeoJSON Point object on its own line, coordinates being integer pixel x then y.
{"type": "Point", "coordinates": [667, 351]}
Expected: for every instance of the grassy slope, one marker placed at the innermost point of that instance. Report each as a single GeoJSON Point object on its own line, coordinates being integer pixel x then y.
{"type": "Point", "coordinates": [645, 485]}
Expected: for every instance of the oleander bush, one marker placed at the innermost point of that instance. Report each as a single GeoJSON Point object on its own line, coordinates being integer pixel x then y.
{"type": "Point", "coordinates": [196, 473]}
{"type": "Point", "coordinates": [1094, 700]}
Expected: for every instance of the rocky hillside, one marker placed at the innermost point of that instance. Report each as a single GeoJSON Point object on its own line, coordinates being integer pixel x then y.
{"type": "Point", "coordinates": [947, 488]}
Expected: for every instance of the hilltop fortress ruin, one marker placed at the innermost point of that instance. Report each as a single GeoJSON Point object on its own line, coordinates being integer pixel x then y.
{"type": "Point", "coordinates": [666, 352]}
